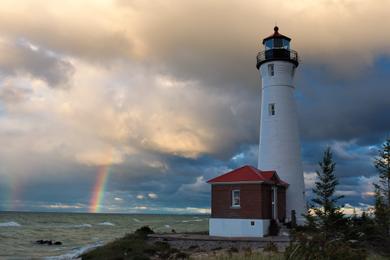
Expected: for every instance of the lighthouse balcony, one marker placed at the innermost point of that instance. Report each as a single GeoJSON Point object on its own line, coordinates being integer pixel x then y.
{"type": "Point", "coordinates": [277, 54]}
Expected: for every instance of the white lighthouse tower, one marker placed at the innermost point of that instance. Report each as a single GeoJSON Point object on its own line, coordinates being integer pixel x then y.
{"type": "Point", "coordinates": [279, 147]}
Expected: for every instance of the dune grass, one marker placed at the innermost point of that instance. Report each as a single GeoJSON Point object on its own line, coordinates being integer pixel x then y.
{"type": "Point", "coordinates": [243, 256]}
{"type": "Point", "coordinates": [134, 246]}
{"type": "Point", "coordinates": [137, 247]}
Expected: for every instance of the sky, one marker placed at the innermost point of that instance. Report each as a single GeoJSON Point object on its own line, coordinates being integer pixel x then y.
{"type": "Point", "coordinates": [131, 106]}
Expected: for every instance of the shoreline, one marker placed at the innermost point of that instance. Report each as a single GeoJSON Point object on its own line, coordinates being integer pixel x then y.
{"type": "Point", "coordinates": [146, 244]}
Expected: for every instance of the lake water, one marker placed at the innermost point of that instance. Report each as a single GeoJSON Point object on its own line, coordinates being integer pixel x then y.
{"type": "Point", "coordinates": [79, 231]}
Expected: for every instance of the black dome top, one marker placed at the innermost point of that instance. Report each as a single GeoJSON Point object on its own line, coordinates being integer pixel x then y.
{"type": "Point", "coordinates": [276, 34]}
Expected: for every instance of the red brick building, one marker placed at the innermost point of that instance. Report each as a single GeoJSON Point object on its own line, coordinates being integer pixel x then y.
{"type": "Point", "coordinates": [244, 200]}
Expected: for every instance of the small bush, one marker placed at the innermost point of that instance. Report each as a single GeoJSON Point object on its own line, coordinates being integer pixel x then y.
{"type": "Point", "coordinates": [271, 247]}
{"type": "Point", "coordinates": [181, 255]}
{"type": "Point", "coordinates": [174, 251]}
{"type": "Point", "coordinates": [140, 257]}
{"type": "Point", "coordinates": [162, 246]}
{"type": "Point", "coordinates": [233, 250]}
{"type": "Point", "coordinates": [150, 251]}
{"type": "Point", "coordinates": [248, 251]}
{"type": "Point", "coordinates": [144, 231]}
{"type": "Point", "coordinates": [315, 246]}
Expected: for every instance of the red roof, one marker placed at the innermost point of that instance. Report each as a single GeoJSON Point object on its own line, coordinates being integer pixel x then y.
{"type": "Point", "coordinates": [249, 174]}
{"type": "Point", "coordinates": [276, 34]}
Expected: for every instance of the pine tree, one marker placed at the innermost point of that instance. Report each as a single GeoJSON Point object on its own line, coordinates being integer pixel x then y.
{"type": "Point", "coordinates": [382, 188]}
{"type": "Point", "coordinates": [327, 233]}
{"type": "Point", "coordinates": [328, 214]}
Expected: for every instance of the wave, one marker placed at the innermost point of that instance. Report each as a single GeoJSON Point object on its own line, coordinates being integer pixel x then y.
{"type": "Point", "coordinates": [137, 220]}
{"type": "Point", "coordinates": [10, 224]}
{"type": "Point", "coordinates": [192, 220]}
{"type": "Point", "coordinates": [106, 224]}
{"type": "Point", "coordinates": [167, 226]}
{"type": "Point", "coordinates": [75, 253]}
{"type": "Point", "coordinates": [81, 226]}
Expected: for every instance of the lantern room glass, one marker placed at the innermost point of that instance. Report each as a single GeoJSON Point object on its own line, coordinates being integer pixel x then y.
{"type": "Point", "coordinates": [277, 43]}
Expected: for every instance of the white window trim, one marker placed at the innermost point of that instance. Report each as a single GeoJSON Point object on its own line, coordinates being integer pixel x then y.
{"type": "Point", "coordinates": [239, 198]}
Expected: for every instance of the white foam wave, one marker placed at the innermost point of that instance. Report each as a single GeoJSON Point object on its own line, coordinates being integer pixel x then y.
{"type": "Point", "coordinates": [106, 224]}
{"type": "Point", "coordinates": [167, 226]}
{"type": "Point", "coordinates": [10, 224]}
{"type": "Point", "coordinates": [192, 220]}
{"type": "Point", "coordinates": [137, 220]}
{"type": "Point", "coordinates": [75, 253]}
{"type": "Point", "coordinates": [82, 226]}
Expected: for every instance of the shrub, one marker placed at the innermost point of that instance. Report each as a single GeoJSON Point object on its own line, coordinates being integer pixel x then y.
{"type": "Point", "coordinates": [139, 257]}
{"type": "Point", "coordinates": [271, 247]}
{"type": "Point", "coordinates": [144, 231]}
{"type": "Point", "coordinates": [317, 246]}
{"type": "Point", "coordinates": [150, 251]}
{"type": "Point", "coordinates": [162, 246]}
{"type": "Point", "coordinates": [233, 250]}
{"type": "Point", "coordinates": [248, 251]}
{"type": "Point", "coordinates": [181, 255]}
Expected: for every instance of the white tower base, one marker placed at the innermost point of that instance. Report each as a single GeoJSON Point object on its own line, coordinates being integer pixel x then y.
{"type": "Point", "coordinates": [228, 227]}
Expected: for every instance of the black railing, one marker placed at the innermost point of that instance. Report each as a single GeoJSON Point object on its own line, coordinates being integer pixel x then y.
{"type": "Point", "coordinates": [277, 54]}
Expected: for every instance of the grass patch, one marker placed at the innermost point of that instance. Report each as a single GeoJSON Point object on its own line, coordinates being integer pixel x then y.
{"type": "Point", "coordinates": [134, 246]}
{"type": "Point", "coordinates": [246, 256]}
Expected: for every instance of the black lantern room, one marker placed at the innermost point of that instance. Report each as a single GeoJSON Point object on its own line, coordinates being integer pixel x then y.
{"type": "Point", "coordinates": [277, 47]}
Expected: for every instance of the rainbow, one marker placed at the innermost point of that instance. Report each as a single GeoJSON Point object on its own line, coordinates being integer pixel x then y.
{"type": "Point", "coordinates": [98, 190]}
{"type": "Point", "coordinates": [12, 193]}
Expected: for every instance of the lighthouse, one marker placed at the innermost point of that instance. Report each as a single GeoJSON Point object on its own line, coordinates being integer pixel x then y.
{"type": "Point", "coordinates": [246, 199]}
{"type": "Point", "coordinates": [279, 146]}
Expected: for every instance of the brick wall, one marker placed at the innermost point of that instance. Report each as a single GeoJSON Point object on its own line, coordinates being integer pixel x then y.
{"type": "Point", "coordinates": [255, 201]}
{"type": "Point", "coordinates": [250, 201]}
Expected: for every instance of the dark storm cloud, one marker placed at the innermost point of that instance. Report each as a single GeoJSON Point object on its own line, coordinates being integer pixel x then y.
{"type": "Point", "coordinates": [21, 58]}
{"type": "Point", "coordinates": [167, 93]}
{"type": "Point", "coordinates": [345, 109]}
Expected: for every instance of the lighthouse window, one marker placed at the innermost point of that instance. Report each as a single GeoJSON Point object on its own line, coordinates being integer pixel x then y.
{"type": "Point", "coordinates": [235, 198]}
{"type": "Point", "coordinates": [271, 70]}
{"type": "Point", "coordinates": [278, 43]}
{"type": "Point", "coordinates": [271, 109]}
{"type": "Point", "coordinates": [286, 44]}
{"type": "Point", "coordinates": [268, 44]}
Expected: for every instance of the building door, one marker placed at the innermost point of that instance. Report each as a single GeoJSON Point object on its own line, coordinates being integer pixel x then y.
{"type": "Point", "coordinates": [274, 202]}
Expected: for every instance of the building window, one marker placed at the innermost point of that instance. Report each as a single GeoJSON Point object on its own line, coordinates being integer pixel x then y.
{"type": "Point", "coordinates": [271, 109]}
{"type": "Point", "coordinates": [252, 223]}
{"type": "Point", "coordinates": [271, 71]}
{"type": "Point", "coordinates": [236, 198]}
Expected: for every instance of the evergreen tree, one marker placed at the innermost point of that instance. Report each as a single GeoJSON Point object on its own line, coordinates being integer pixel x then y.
{"type": "Point", "coordinates": [382, 188]}
{"type": "Point", "coordinates": [327, 233]}
{"type": "Point", "coordinates": [328, 214]}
